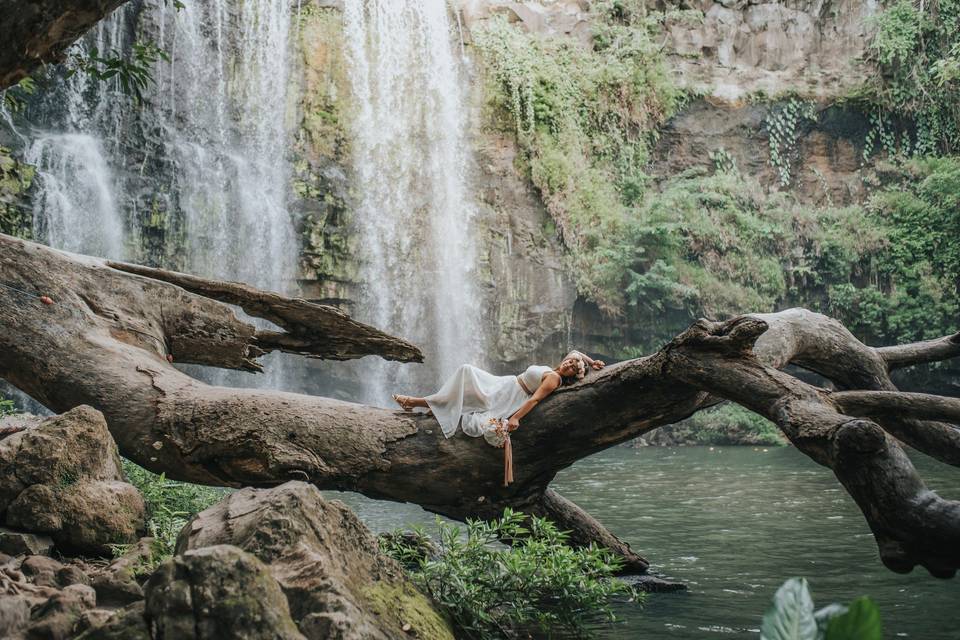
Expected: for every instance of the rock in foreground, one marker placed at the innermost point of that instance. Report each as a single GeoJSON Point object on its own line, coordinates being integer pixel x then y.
{"type": "Point", "coordinates": [217, 592]}
{"type": "Point", "coordinates": [63, 478]}
{"type": "Point", "coordinates": [338, 585]}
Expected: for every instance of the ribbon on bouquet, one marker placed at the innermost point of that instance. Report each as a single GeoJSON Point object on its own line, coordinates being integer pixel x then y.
{"type": "Point", "coordinates": [501, 439]}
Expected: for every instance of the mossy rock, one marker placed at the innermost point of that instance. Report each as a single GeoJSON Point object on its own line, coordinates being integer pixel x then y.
{"type": "Point", "coordinates": [408, 609]}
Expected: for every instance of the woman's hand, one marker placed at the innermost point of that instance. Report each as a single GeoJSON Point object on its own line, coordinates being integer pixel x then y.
{"type": "Point", "coordinates": [513, 424]}
{"type": "Point", "coordinates": [598, 364]}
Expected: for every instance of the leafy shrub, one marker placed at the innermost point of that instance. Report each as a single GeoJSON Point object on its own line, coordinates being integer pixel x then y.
{"type": "Point", "coordinates": [728, 424]}
{"type": "Point", "coordinates": [490, 591]}
{"type": "Point", "coordinates": [916, 96]}
{"type": "Point", "coordinates": [7, 407]}
{"type": "Point", "coordinates": [911, 289]}
{"type": "Point", "coordinates": [584, 119]}
{"type": "Point", "coordinates": [170, 505]}
{"type": "Point", "coordinates": [792, 617]}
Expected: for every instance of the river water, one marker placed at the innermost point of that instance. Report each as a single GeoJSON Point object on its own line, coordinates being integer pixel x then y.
{"type": "Point", "coordinates": [733, 523]}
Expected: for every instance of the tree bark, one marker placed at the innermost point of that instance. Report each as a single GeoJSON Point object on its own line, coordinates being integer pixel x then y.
{"type": "Point", "coordinates": [105, 340]}
{"type": "Point", "coordinates": [40, 31]}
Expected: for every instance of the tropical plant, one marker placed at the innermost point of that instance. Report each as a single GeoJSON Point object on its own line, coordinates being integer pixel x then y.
{"type": "Point", "coordinates": [170, 505]}
{"type": "Point", "coordinates": [15, 97]}
{"type": "Point", "coordinates": [7, 407]}
{"type": "Point", "coordinates": [791, 616]}
{"type": "Point", "coordinates": [916, 97]}
{"type": "Point", "coordinates": [538, 583]}
{"type": "Point", "coordinates": [131, 71]}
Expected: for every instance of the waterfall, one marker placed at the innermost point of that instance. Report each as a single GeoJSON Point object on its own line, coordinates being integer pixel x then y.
{"type": "Point", "coordinates": [222, 113]}
{"type": "Point", "coordinates": [413, 207]}
{"type": "Point", "coordinates": [76, 205]}
{"type": "Point", "coordinates": [206, 153]}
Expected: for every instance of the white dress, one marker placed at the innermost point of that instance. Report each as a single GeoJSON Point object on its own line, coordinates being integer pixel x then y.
{"type": "Point", "coordinates": [471, 397]}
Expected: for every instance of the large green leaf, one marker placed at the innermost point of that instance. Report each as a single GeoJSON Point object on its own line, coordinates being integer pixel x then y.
{"type": "Point", "coordinates": [825, 615]}
{"type": "Point", "coordinates": [860, 622]}
{"type": "Point", "coordinates": [790, 617]}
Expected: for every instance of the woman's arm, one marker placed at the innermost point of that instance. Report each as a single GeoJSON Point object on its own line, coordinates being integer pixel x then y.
{"type": "Point", "coordinates": [590, 362]}
{"type": "Point", "coordinates": [549, 384]}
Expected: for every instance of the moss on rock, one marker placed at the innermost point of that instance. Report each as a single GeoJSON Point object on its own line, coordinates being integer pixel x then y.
{"type": "Point", "coordinates": [404, 605]}
{"type": "Point", "coordinates": [16, 178]}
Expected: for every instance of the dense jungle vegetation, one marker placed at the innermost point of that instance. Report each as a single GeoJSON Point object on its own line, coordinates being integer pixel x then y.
{"type": "Point", "coordinates": [713, 241]}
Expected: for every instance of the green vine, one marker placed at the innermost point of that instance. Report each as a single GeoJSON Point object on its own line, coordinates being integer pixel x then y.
{"type": "Point", "coordinates": [584, 119]}
{"type": "Point", "coordinates": [783, 128]}
{"type": "Point", "coordinates": [915, 98]}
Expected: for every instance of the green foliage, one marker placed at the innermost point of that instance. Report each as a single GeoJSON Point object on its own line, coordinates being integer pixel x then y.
{"type": "Point", "coordinates": [539, 583]}
{"type": "Point", "coordinates": [911, 291]}
{"type": "Point", "coordinates": [718, 245]}
{"type": "Point", "coordinates": [15, 181]}
{"type": "Point", "coordinates": [783, 127]}
{"type": "Point", "coordinates": [170, 505]}
{"type": "Point", "coordinates": [791, 616]}
{"type": "Point", "coordinates": [131, 71]}
{"type": "Point", "coordinates": [584, 119]}
{"type": "Point", "coordinates": [728, 424]}
{"type": "Point", "coordinates": [7, 407]}
{"type": "Point", "coordinates": [916, 96]}
{"type": "Point", "coordinates": [15, 97]}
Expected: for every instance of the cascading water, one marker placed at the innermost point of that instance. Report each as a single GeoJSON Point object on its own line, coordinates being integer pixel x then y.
{"type": "Point", "coordinates": [222, 107]}
{"type": "Point", "coordinates": [76, 206]}
{"type": "Point", "coordinates": [207, 151]}
{"type": "Point", "coordinates": [221, 113]}
{"type": "Point", "coordinates": [413, 207]}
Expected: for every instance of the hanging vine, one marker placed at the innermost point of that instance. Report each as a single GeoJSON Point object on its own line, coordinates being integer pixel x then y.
{"type": "Point", "coordinates": [783, 128]}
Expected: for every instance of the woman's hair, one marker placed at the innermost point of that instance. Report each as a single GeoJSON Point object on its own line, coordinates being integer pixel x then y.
{"type": "Point", "coordinates": [581, 368]}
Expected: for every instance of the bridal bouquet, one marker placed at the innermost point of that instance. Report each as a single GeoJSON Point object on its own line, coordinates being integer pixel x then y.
{"type": "Point", "coordinates": [496, 436]}
{"type": "Point", "coordinates": [499, 436]}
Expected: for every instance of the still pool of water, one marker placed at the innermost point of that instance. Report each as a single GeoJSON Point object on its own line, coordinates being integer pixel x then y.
{"type": "Point", "coordinates": [733, 523]}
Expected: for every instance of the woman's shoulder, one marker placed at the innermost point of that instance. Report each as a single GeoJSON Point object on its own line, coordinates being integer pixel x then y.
{"type": "Point", "coordinates": [545, 370]}
{"type": "Point", "coordinates": [541, 368]}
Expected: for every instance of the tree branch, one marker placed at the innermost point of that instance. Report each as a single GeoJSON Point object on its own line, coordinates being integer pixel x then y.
{"type": "Point", "coordinates": [40, 31]}
{"type": "Point", "coordinates": [104, 340]}
{"type": "Point", "coordinates": [907, 355]}
{"type": "Point", "coordinates": [878, 403]}
{"type": "Point", "coordinates": [311, 330]}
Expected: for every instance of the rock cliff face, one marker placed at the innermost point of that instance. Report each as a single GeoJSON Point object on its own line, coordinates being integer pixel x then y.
{"type": "Point", "coordinates": [744, 48]}
{"type": "Point", "coordinates": [738, 60]}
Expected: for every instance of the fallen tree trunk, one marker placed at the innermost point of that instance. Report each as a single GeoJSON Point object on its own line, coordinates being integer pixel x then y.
{"type": "Point", "coordinates": [106, 339]}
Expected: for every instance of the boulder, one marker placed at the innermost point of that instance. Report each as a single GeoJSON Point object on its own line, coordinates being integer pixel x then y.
{"type": "Point", "coordinates": [41, 570]}
{"type": "Point", "coordinates": [18, 543]}
{"type": "Point", "coordinates": [217, 592]}
{"type": "Point", "coordinates": [14, 615]}
{"type": "Point", "coordinates": [338, 585]}
{"type": "Point", "coordinates": [60, 617]}
{"type": "Point", "coordinates": [116, 584]}
{"type": "Point", "coordinates": [63, 478]}
{"type": "Point", "coordinates": [126, 624]}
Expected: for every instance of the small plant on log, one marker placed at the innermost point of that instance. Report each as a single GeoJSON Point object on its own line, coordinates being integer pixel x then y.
{"type": "Point", "coordinates": [491, 591]}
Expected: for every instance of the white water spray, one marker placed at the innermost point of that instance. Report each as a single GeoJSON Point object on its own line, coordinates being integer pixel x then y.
{"type": "Point", "coordinates": [413, 207]}
{"type": "Point", "coordinates": [209, 143]}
